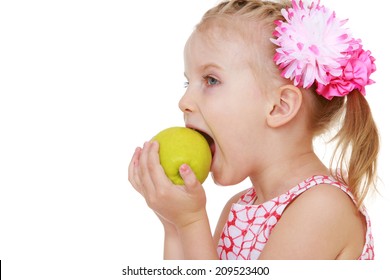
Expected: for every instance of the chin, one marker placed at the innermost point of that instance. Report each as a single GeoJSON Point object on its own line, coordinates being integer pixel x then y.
{"type": "Point", "coordinates": [220, 180]}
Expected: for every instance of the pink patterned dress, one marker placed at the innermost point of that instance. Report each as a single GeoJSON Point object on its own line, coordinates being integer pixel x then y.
{"type": "Point", "coordinates": [249, 226]}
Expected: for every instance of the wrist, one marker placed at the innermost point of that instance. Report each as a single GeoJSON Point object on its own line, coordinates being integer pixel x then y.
{"type": "Point", "coordinates": [196, 238]}
{"type": "Point", "coordinates": [169, 229]}
{"type": "Point", "coordinates": [193, 220]}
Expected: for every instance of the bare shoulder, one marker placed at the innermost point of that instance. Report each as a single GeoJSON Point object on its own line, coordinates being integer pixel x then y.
{"type": "Point", "coordinates": [224, 215]}
{"type": "Point", "coordinates": [321, 223]}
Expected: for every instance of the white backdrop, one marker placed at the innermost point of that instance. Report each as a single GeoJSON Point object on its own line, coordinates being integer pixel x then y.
{"type": "Point", "coordinates": [82, 83]}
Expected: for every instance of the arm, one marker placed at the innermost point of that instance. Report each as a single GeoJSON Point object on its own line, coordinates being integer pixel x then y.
{"type": "Point", "coordinates": [197, 240]}
{"type": "Point", "coordinates": [195, 234]}
{"type": "Point", "coordinates": [172, 244]}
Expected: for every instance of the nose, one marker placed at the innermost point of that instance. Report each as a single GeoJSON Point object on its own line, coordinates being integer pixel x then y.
{"type": "Point", "coordinates": [186, 104]}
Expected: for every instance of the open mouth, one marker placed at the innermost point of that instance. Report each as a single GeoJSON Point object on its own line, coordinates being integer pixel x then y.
{"type": "Point", "coordinates": [209, 140]}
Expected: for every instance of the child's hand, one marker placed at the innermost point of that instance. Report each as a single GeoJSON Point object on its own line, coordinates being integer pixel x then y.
{"type": "Point", "coordinates": [178, 205]}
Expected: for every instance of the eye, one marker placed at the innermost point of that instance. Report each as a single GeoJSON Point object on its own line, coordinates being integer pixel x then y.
{"type": "Point", "coordinates": [211, 81]}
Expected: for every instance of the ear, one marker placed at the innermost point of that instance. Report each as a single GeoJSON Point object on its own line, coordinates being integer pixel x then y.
{"type": "Point", "coordinates": [286, 104]}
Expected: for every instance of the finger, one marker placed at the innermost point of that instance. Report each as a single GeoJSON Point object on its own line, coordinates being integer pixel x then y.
{"type": "Point", "coordinates": [133, 175]}
{"type": "Point", "coordinates": [144, 170]}
{"type": "Point", "coordinates": [157, 172]}
{"type": "Point", "coordinates": [189, 177]}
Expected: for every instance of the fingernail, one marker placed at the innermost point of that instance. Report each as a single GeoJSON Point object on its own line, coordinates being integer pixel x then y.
{"type": "Point", "coordinates": [184, 168]}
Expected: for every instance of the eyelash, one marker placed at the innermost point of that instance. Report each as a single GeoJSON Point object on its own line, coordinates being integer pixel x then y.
{"type": "Point", "coordinates": [206, 79]}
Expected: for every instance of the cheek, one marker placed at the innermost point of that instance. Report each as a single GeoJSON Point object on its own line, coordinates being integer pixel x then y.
{"type": "Point", "coordinates": [238, 132]}
{"type": "Point", "coordinates": [231, 164]}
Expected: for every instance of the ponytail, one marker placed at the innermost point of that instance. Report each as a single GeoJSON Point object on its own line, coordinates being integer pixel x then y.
{"type": "Point", "coordinates": [357, 147]}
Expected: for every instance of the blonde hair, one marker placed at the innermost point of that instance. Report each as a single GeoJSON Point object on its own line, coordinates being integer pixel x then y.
{"type": "Point", "coordinates": [357, 140]}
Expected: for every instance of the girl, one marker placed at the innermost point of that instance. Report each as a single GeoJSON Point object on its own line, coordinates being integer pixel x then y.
{"type": "Point", "coordinates": [264, 79]}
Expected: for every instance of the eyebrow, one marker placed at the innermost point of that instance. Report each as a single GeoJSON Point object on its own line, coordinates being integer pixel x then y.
{"type": "Point", "coordinates": [206, 66]}
{"type": "Point", "coordinates": [210, 65]}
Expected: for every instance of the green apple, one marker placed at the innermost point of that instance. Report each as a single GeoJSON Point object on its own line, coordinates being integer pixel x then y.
{"type": "Point", "coordinates": [179, 145]}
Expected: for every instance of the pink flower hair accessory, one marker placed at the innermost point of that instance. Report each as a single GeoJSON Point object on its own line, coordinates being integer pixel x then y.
{"type": "Point", "coordinates": [315, 47]}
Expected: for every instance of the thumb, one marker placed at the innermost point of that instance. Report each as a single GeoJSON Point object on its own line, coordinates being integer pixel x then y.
{"type": "Point", "coordinates": [188, 176]}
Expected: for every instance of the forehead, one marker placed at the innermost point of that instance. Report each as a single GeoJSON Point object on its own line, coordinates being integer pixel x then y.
{"type": "Point", "coordinates": [216, 45]}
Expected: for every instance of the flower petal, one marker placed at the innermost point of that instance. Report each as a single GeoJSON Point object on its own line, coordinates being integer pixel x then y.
{"type": "Point", "coordinates": [314, 46]}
